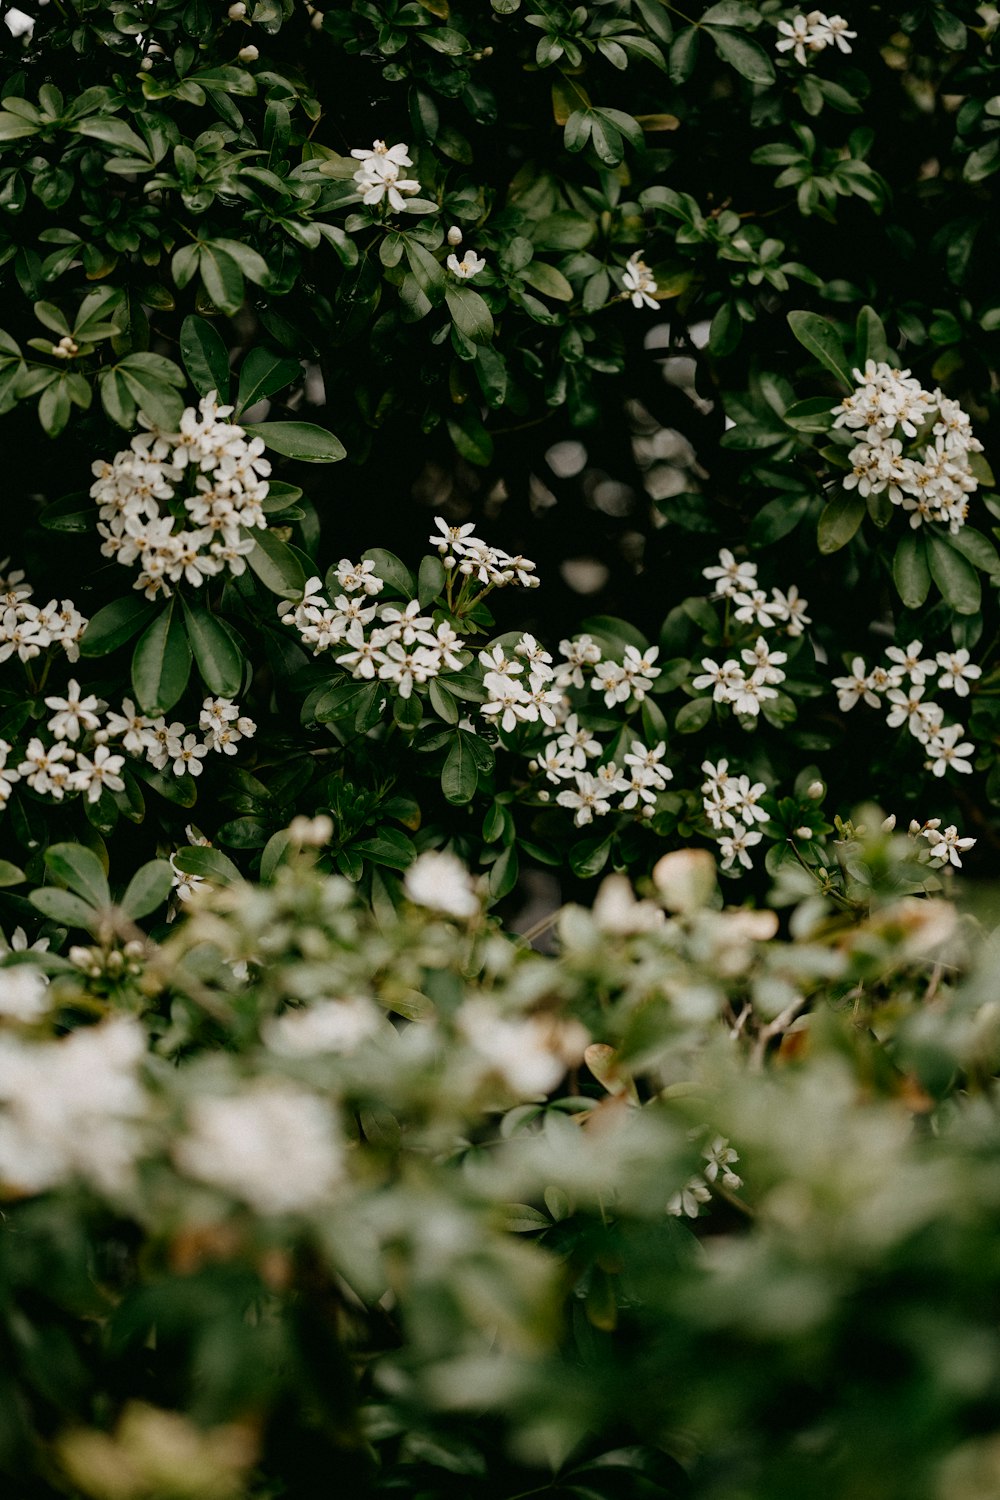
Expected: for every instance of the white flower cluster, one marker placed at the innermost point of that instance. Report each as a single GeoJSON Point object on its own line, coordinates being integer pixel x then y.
{"type": "Point", "coordinates": [458, 548]}
{"type": "Point", "coordinates": [901, 685]}
{"type": "Point", "coordinates": [732, 806]}
{"type": "Point", "coordinates": [745, 686]}
{"type": "Point", "coordinates": [146, 519]}
{"type": "Point", "coordinates": [528, 1054]}
{"type": "Point", "coordinates": [933, 481]}
{"type": "Point", "coordinates": [396, 643]}
{"type": "Point", "coordinates": [943, 848]}
{"type": "Point", "coordinates": [55, 769]}
{"type": "Point", "coordinates": [26, 630]}
{"type": "Point", "coordinates": [737, 581]}
{"type": "Point", "coordinates": [814, 32]}
{"type": "Point", "coordinates": [275, 1146]}
{"type": "Point", "coordinates": [70, 1108]}
{"type": "Point", "coordinates": [639, 282]}
{"type": "Point", "coordinates": [378, 176]}
{"type": "Point", "coordinates": [720, 1158]}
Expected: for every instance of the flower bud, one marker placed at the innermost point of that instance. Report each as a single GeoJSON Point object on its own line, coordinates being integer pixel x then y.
{"type": "Point", "coordinates": [803, 832]}
{"type": "Point", "coordinates": [815, 791]}
{"type": "Point", "coordinates": [237, 12]}
{"type": "Point", "coordinates": [248, 54]}
{"type": "Point", "coordinates": [889, 823]}
{"type": "Point", "coordinates": [146, 65]}
{"type": "Point", "coordinates": [311, 832]}
{"type": "Point", "coordinates": [454, 235]}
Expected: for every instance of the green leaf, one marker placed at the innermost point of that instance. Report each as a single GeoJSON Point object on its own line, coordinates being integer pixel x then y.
{"type": "Point", "coordinates": [469, 313]}
{"type": "Point", "coordinates": [161, 663]}
{"type": "Point", "coordinates": [814, 414]}
{"type": "Point", "coordinates": [547, 280]}
{"type": "Point", "coordinates": [431, 580]}
{"type": "Point", "coordinates": [222, 278]}
{"type": "Point", "coordinates": [589, 856]}
{"type": "Point", "coordinates": [275, 564]}
{"type": "Point", "coordinates": [63, 907]}
{"type": "Point", "coordinates": [459, 775]}
{"type": "Point", "coordinates": [262, 374]}
{"type": "Point", "coordinates": [205, 357]}
{"type": "Point", "coordinates": [216, 654]}
{"type": "Point", "coordinates": [910, 572]}
{"type": "Point", "coordinates": [777, 518]}
{"type": "Point", "coordinates": [10, 874]}
{"type": "Point", "coordinates": [870, 339]}
{"type": "Point", "coordinates": [211, 864]}
{"type": "Point", "coordinates": [839, 520]}
{"type": "Point", "coordinates": [149, 888]}
{"type": "Point", "coordinates": [80, 870]}
{"type": "Point", "coordinates": [503, 873]}
{"type": "Point", "coordinates": [115, 624]}
{"type": "Point", "coordinates": [387, 847]}
{"type": "Point", "coordinates": [742, 53]}
{"type": "Point", "coordinates": [693, 716]}
{"type": "Point", "coordinates": [819, 336]}
{"type": "Point", "coordinates": [954, 575]}
{"type": "Point", "coordinates": [302, 440]}
{"type": "Point", "coordinates": [273, 854]}
{"type": "Point", "coordinates": [977, 548]}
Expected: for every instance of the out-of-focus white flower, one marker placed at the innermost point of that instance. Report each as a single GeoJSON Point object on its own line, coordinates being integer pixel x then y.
{"type": "Point", "coordinates": [72, 1108]}
{"type": "Point", "coordinates": [275, 1146]}
{"type": "Point", "coordinates": [23, 993]}
{"type": "Point", "coordinates": [530, 1054]}
{"type": "Point", "coordinates": [325, 1026]}
{"type": "Point", "coordinates": [440, 881]}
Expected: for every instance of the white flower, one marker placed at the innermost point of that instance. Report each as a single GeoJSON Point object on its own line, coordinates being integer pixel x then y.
{"type": "Point", "coordinates": [735, 846]}
{"type": "Point", "coordinates": [639, 282]}
{"type": "Point", "coordinates": [790, 609]}
{"type": "Point", "coordinates": [957, 671]}
{"type": "Point", "coordinates": [720, 1158]}
{"type": "Point", "coordinates": [753, 607]}
{"type": "Point", "coordinates": [687, 1203]}
{"type": "Point", "coordinates": [132, 726]}
{"type": "Point", "coordinates": [71, 1108]}
{"type": "Point", "coordinates": [188, 756]}
{"type": "Point", "coordinates": [856, 686]}
{"type": "Point", "coordinates": [23, 993]}
{"type": "Point", "coordinates": [947, 753]}
{"type": "Point", "coordinates": [92, 776]}
{"type": "Point", "coordinates": [947, 847]}
{"type": "Point", "coordinates": [378, 177]}
{"type": "Point", "coordinates": [440, 881]}
{"type": "Point", "coordinates": [910, 661]}
{"type": "Point", "coordinates": [589, 799]}
{"type": "Point", "coordinates": [73, 712]}
{"type": "Point", "coordinates": [731, 575]}
{"type": "Point", "coordinates": [577, 743]}
{"type": "Point", "coordinates": [470, 265]}
{"type": "Point", "coordinates": [529, 1054]}
{"type": "Point", "coordinates": [325, 1026]}
{"type": "Point", "coordinates": [274, 1146]}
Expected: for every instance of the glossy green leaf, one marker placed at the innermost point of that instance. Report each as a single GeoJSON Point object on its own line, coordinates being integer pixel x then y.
{"type": "Point", "coordinates": [148, 889]}
{"type": "Point", "coordinates": [161, 662]}
{"type": "Point", "coordinates": [302, 440]}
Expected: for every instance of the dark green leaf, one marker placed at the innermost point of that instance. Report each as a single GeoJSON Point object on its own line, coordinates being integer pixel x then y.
{"type": "Point", "coordinates": [161, 662]}
{"type": "Point", "coordinates": [149, 888]}
{"type": "Point", "coordinates": [216, 654]}
{"type": "Point", "coordinates": [839, 520]}
{"type": "Point", "coordinates": [80, 870]}
{"type": "Point", "coordinates": [302, 440]}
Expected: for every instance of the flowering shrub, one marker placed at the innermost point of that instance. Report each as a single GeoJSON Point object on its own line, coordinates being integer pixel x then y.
{"type": "Point", "coordinates": [437, 1193]}
{"type": "Point", "coordinates": [465, 441]}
